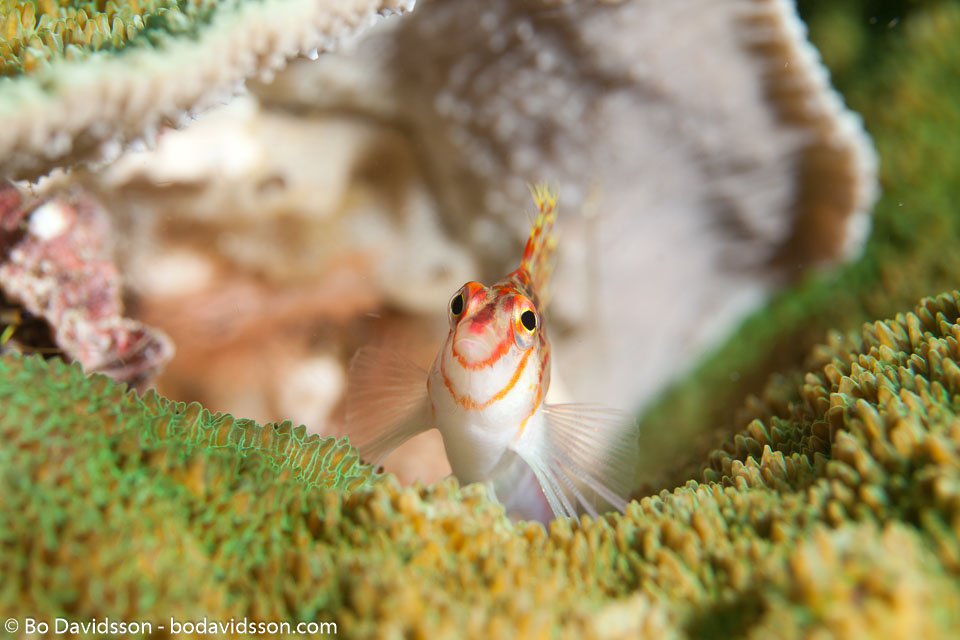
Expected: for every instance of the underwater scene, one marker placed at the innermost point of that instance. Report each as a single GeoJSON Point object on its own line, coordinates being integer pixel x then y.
{"type": "Point", "coordinates": [514, 319]}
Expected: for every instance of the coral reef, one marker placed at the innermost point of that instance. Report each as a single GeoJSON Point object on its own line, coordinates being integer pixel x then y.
{"type": "Point", "coordinates": [895, 65]}
{"type": "Point", "coordinates": [402, 161]}
{"type": "Point", "coordinates": [55, 264]}
{"type": "Point", "coordinates": [197, 505]}
{"type": "Point", "coordinates": [359, 175]}
{"type": "Point", "coordinates": [834, 511]}
{"type": "Point", "coordinates": [78, 79]}
{"type": "Point", "coordinates": [831, 510]}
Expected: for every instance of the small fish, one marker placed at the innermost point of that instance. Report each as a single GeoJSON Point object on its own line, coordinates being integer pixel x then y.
{"type": "Point", "coordinates": [485, 393]}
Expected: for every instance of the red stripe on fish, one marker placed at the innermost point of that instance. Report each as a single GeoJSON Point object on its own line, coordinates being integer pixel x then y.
{"type": "Point", "coordinates": [502, 347]}
{"type": "Point", "coordinates": [469, 403]}
{"type": "Point", "coordinates": [544, 362]}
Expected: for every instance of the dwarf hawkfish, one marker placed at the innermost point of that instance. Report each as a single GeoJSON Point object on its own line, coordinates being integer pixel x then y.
{"type": "Point", "coordinates": [485, 394]}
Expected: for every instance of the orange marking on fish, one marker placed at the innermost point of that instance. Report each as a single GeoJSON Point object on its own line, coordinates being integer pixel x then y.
{"type": "Point", "coordinates": [502, 347]}
{"type": "Point", "coordinates": [478, 324]}
{"type": "Point", "coordinates": [469, 403]}
{"type": "Point", "coordinates": [536, 402]}
{"type": "Point", "coordinates": [536, 405]}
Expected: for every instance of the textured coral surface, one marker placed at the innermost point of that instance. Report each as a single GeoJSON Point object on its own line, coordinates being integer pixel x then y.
{"type": "Point", "coordinates": [896, 65]}
{"type": "Point", "coordinates": [125, 505]}
{"type": "Point", "coordinates": [832, 509]}
{"type": "Point", "coordinates": [835, 510]}
{"type": "Point", "coordinates": [34, 33]}
{"type": "Point", "coordinates": [80, 79]}
{"type": "Point", "coordinates": [276, 236]}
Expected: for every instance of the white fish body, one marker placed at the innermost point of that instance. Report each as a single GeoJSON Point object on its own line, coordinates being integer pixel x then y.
{"type": "Point", "coordinates": [485, 394]}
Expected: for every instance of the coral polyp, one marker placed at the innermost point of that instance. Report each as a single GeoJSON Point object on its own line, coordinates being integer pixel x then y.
{"type": "Point", "coordinates": [834, 511]}
{"type": "Point", "coordinates": [36, 32]}
{"type": "Point", "coordinates": [80, 79]}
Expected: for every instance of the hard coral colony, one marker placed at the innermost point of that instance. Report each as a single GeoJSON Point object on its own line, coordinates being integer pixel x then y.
{"type": "Point", "coordinates": [81, 79]}
{"type": "Point", "coordinates": [831, 509]}
{"type": "Point", "coordinates": [830, 513]}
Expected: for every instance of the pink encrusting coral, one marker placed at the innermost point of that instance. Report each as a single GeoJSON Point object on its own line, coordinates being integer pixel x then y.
{"type": "Point", "coordinates": [55, 262]}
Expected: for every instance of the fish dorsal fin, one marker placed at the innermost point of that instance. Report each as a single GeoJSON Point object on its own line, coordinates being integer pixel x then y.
{"type": "Point", "coordinates": [538, 254]}
{"type": "Point", "coordinates": [386, 402]}
{"type": "Point", "coordinates": [585, 458]}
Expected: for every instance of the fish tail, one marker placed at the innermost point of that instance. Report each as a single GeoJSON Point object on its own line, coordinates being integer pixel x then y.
{"type": "Point", "coordinates": [538, 254]}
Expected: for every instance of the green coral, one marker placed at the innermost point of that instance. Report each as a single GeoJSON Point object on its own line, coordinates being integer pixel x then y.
{"type": "Point", "coordinates": [35, 32]}
{"type": "Point", "coordinates": [835, 509]}
{"type": "Point", "coordinates": [832, 508]}
{"type": "Point", "coordinates": [117, 503]}
{"type": "Point", "coordinates": [78, 80]}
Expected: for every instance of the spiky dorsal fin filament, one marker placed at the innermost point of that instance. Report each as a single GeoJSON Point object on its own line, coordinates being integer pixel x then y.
{"type": "Point", "coordinates": [538, 253]}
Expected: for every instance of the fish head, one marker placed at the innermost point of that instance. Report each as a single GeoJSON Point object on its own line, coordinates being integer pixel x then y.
{"type": "Point", "coordinates": [490, 324]}
{"type": "Point", "coordinates": [494, 363]}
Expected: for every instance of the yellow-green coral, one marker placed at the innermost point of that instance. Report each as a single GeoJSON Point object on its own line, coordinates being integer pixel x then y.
{"type": "Point", "coordinates": [182, 502]}
{"type": "Point", "coordinates": [79, 79]}
{"type": "Point", "coordinates": [34, 32]}
{"type": "Point", "coordinates": [836, 509]}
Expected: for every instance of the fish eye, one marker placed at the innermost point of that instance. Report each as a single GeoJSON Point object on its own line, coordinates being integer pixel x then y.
{"type": "Point", "coordinates": [529, 320]}
{"type": "Point", "coordinates": [456, 304]}
{"type": "Point", "coordinates": [526, 322]}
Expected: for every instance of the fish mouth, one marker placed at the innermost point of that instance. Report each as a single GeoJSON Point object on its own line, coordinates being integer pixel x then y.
{"type": "Point", "coordinates": [477, 349]}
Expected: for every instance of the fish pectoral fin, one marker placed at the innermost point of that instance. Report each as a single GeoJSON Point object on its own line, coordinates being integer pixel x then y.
{"type": "Point", "coordinates": [516, 486]}
{"type": "Point", "coordinates": [387, 402]}
{"type": "Point", "coordinates": [585, 458]}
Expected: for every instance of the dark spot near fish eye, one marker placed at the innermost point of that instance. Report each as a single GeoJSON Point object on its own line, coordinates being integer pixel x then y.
{"type": "Point", "coordinates": [529, 320]}
{"type": "Point", "coordinates": [456, 305]}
